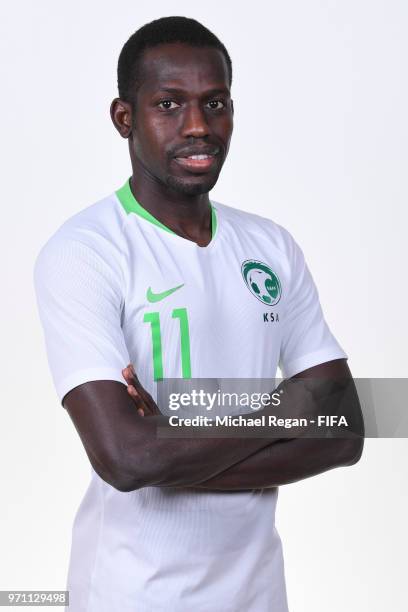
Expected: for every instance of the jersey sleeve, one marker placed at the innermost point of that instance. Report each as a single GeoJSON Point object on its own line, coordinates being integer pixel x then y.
{"type": "Point", "coordinates": [79, 291]}
{"type": "Point", "coordinates": [307, 340]}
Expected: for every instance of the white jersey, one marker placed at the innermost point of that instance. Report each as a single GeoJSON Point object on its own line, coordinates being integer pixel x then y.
{"type": "Point", "coordinates": [114, 285]}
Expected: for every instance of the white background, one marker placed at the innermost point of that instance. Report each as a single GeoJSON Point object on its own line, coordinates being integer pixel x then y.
{"type": "Point", "coordinates": [320, 146]}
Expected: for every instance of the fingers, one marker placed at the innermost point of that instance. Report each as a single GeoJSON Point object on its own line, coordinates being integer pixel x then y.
{"type": "Point", "coordinates": [128, 374]}
{"type": "Point", "coordinates": [144, 409]}
{"type": "Point", "coordinates": [140, 404]}
{"type": "Point", "coordinates": [138, 393]}
{"type": "Point", "coordinates": [132, 379]}
{"type": "Point", "coordinates": [132, 392]}
{"type": "Point", "coordinates": [133, 375]}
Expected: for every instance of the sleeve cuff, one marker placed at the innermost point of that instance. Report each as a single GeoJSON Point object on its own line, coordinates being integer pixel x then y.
{"type": "Point", "coordinates": [82, 376]}
{"type": "Point", "coordinates": [312, 359]}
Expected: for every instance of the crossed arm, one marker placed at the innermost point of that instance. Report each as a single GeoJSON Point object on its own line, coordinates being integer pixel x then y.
{"type": "Point", "coordinates": [118, 427]}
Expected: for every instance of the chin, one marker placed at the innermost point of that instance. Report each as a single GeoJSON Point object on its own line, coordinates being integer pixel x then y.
{"type": "Point", "coordinates": [193, 188]}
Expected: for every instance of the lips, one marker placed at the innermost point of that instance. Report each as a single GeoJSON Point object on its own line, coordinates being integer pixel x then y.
{"type": "Point", "coordinates": [197, 159]}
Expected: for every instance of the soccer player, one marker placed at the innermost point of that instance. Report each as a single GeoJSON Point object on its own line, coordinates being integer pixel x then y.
{"type": "Point", "coordinates": [159, 276]}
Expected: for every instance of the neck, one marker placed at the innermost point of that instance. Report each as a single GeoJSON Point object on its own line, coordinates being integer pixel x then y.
{"type": "Point", "coordinates": [187, 216]}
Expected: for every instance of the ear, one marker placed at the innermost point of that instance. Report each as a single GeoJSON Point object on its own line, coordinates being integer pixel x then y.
{"type": "Point", "coordinates": [232, 106]}
{"type": "Point", "coordinates": [121, 115]}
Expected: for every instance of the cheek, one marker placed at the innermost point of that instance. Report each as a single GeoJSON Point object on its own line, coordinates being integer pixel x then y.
{"type": "Point", "coordinates": [221, 128]}
{"type": "Point", "coordinates": [225, 128]}
{"type": "Point", "coordinates": [153, 137]}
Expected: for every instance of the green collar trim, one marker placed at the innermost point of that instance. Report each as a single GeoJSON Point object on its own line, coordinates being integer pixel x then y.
{"type": "Point", "coordinates": [213, 221]}
{"type": "Point", "coordinates": [131, 205]}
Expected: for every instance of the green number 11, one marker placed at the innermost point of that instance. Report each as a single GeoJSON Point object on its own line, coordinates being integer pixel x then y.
{"type": "Point", "coordinates": [154, 319]}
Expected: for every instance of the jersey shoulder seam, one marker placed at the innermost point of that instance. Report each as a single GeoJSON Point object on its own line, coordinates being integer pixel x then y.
{"type": "Point", "coordinates": [269, 225]}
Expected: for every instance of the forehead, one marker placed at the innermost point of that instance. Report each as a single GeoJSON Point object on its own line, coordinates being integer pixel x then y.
{"type": "Point", "coordinates": [180, 65]}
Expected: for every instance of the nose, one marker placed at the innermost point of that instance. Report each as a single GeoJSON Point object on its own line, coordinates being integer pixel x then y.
{"type": "Point", "coordinates": [194, 122]}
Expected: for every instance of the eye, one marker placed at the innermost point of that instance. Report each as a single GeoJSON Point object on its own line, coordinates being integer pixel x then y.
{"type": "Point", "coordinates": [167, 104]}
{"type": "Point", "coordinates": [216, 104]}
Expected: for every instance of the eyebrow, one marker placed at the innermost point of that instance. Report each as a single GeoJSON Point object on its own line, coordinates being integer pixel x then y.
{"type": "Point", "coordinates": [210, 92]}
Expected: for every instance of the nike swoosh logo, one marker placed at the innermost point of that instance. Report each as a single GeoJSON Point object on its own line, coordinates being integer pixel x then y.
{"type": "Point", "coordinates": [157, 297]}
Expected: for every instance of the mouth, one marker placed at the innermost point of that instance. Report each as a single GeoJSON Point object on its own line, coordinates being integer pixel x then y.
{"type": "Point", "coordinates": [201, 162]}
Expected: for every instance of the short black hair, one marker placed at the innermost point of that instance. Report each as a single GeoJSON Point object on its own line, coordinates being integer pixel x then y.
{"type": "Point", "coordinates": [157, 32]}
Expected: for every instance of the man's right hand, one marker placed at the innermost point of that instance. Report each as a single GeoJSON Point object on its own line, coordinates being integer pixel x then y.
{"type": "Point", "coordinates": [145, 404]}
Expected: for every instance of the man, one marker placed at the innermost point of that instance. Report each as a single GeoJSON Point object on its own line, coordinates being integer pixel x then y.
{"type": "Point", "coordinates": [182, 287]}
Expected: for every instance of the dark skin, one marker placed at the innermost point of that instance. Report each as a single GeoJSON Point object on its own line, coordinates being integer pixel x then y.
{"type": "Point", "coordinates": [287, 460]}
{"type": "Point", "coordinates": [182, 106]}
{"type": "Point", "coordinates": [162, 127]}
